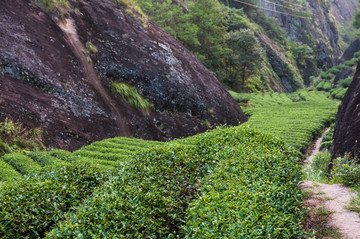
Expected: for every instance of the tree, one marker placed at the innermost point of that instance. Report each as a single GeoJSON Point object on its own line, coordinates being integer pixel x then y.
{"type": "Point", "coordinates": [356, 20]}
{"type": "Point", "coordinates": [172, 19]}
{"type": "Point", "coordinates": [211, 18]}
{"type": "Point", "coordinates": [247, 55]}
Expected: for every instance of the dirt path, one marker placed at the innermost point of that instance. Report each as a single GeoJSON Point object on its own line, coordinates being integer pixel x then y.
{"type": "Point", "coordinates": [316, 150]}
{"type": "Point", "coordinates": [68, 27]}
{"type": "Point", "coordinates": [334, 197]}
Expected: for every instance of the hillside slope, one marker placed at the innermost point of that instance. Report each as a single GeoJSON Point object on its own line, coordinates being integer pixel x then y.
{"type": "Point", "coordinates": [57, 74]}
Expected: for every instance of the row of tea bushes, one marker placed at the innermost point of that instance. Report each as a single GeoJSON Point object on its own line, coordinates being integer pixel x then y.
{"type": "Point", "coordinates": [31, 206]}
{"type": "Point", "coordinates": [39, 188]}
{"type": "Point", "coordinates": [251, 193]}
{"type": "Point", "coordinates": [297, 118]}
{"type": "Point", "coordinates": [231, 181]}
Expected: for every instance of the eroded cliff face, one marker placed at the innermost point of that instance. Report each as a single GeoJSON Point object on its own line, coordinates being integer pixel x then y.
{"type": "Point", "coordinates": [289, 80]}
{"type": "Point", "coordinates": [319, 31]}
{"type": "Point", "coordinates": [48, 80]}
{"type": "Point", "coordinates": [347, 128]}
{"type": "Point", "coordinates": [343, 10]}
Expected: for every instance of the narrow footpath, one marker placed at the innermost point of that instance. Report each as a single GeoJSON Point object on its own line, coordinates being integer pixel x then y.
{"type": "Point", "coordinates": [334, 197]}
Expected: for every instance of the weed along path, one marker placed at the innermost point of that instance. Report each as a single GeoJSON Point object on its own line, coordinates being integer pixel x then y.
{"type": "Point", "coordinates": [333, 198]}
{"type": "Point", "coordinates": [68, 27]}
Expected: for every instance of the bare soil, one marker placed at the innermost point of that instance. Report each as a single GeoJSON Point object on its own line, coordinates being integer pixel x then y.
{"type": "Point", "coordinates": [334, 198]}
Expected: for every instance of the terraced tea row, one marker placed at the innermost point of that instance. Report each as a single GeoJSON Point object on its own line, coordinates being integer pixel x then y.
{"type": "Point", "coordinates": [190, 191]}
{"type": "Point", "coordinates": [104, 155]}
{"type": "Point", "coordinates": [297, 118]}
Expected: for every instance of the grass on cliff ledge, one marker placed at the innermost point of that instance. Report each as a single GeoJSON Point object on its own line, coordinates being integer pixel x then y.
{"type": "Point", "coordinates": [131, 95]}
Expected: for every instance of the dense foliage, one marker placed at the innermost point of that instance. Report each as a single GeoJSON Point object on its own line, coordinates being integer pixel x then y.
{"type": "Point", "coordinates": [225, 38]}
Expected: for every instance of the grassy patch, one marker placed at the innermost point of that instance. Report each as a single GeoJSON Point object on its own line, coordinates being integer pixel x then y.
{"type": "Point", "coordinates": [58, 7]}
{"type": "Point", "coordinates": [132, 8]}
{"type": "Point", "coordinates": [131, 95]}
{"type": "Point", "coordinates": [354, 205]}
{"type": "Point", "coordinates": [317, 221]}
{"type": "Point", "coordinates": [91, 48]}
{"type": "Point", "coordinates": [318, 170]}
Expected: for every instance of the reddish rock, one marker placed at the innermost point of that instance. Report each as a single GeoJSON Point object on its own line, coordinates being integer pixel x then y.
{"type": "Point", "coordinates": [46, 82]}
{"type": "Point", "coordinates": [347, 128]}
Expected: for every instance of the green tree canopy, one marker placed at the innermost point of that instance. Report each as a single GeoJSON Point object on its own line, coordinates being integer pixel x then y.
{"type": "Point", "coordinates": [211, 18]}
{"type": "Point", "coordinates": [172, 19]}
{"type": "Point", "coordinates": [356, 20]}
{"type": "Point", "coordinates": [247, 55]}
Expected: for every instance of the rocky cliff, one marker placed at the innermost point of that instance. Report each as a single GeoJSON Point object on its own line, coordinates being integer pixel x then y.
{"type": "Point", "coordinates": [343, 10]}
{"type": "Point", "coordinates": [319, 30]}
{"type": "Point", "coordinates": [56, 73]}
{"type": "Point", "coordinates": [347, 128]}
{"type": "Point", "coordinates": [312, 33]}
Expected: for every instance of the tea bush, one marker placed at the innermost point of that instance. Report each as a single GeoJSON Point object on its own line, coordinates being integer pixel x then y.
{"type": "Point", "coordinates": [8, 173]}
{"type": "Point", "coordinates": [346, 82]}
{"type": "Point", "coordinates": [63, 155]}
{"type": "Point", "coordinates": [149, 197]}
{"type": "Point", "coordinates": [30, 207]}
{"type": "Point", "coordinates": [297, 121]}
{"type": "Point", "coordinates": [44, 158]}
{"type": "Point", "coordinates": [21, 163]}
{"type": "Point", "coordinates": [251, 193]}
{"type": "Point", "coordinates": [102, 156]}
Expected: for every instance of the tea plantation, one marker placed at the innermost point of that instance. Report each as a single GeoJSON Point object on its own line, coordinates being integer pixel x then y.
{"type": "Point", "coordinates": [296, 118]}
{"type": "Point", "coordinates": [229, 182]}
